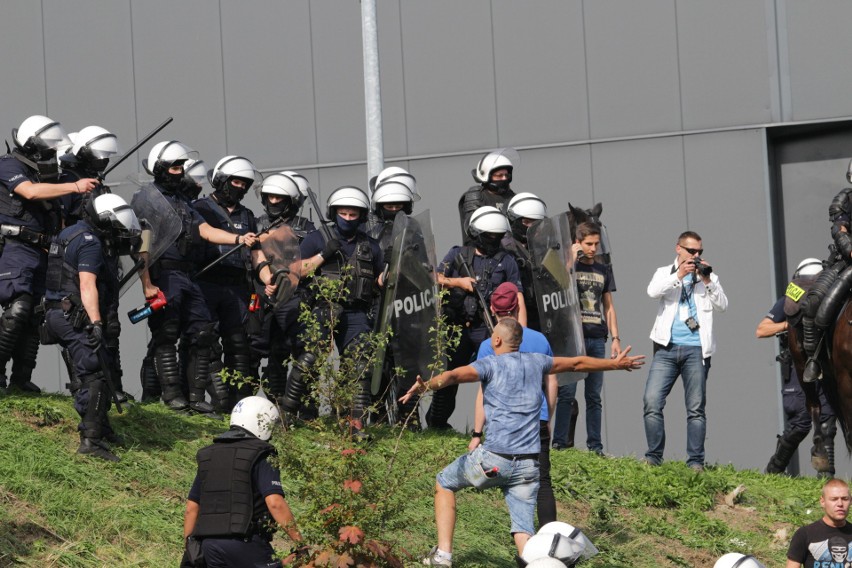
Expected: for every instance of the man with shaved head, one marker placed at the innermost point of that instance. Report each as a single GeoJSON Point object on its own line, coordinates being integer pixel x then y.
{"type": "Point", "coordinates": [512, 384]}
{"type": "Point", "coordinates": [825, 543]}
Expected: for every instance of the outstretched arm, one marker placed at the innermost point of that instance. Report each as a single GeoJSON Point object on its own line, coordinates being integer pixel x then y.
{"type": "Point", "coordinates": [584, 364]}
{"type": "Point", "coordinates": [466, 374]}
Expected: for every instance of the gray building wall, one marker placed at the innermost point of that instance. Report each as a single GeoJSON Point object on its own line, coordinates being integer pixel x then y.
{"type": "Point", "coordinates": [658, 109]}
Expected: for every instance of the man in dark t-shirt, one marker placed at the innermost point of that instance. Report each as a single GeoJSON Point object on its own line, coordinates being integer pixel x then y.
{"type": "Point", "coordinates": [825, 543]}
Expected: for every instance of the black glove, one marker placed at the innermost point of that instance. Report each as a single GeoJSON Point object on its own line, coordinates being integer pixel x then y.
{"type": "Point", "coordinates": [96, 333]}
{"type": "Point", "coordinates": [330, 249]}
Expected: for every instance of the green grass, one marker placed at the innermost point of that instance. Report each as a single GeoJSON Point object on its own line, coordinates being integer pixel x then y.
{"type": "Point", "coordinates": [61, 509]}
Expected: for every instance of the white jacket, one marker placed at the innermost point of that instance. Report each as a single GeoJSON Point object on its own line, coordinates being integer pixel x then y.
{"type": "Point", "coordinates": [666, 287]}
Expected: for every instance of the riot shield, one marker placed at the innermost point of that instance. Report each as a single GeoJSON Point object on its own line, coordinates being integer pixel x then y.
{"type": "Point", "coordinates": [410, 306]}
{"type": "Point", "coordinates": [281, 248]}
{"type": "Point", "coordinates": [555, 289]}
{"type": "Point", "coordinates": [161, 226]}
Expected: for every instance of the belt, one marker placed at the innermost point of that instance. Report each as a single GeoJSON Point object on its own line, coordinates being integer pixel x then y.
{"type": "Point", "coordinates": [513, 457]}
{"type": "Point", "coordinates": [25, 235]}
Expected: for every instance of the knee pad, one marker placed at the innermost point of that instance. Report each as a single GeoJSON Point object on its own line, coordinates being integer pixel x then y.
{"type": "Point", "coordinates": [167, 333]}
{"type": "Point", "coordinates": [18, 314]}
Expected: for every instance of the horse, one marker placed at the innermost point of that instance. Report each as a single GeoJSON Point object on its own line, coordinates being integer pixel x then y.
{"type": "Point", "coordinates": [577, 215]}
{"type": "Point", "coordinates": [836, 362]}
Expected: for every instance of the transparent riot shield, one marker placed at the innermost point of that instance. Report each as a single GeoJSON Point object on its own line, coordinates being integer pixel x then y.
{"type": "Point", "coordinates": [555, 290]}
{"type": "Point", "coordinates": [410, 307]}
{"type": "Point", "coordinates": [280, 246]}
{"type": "Point", "coordinates": [161, 226]}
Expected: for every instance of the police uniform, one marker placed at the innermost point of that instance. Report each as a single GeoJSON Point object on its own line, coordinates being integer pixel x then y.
{"type": "Point", "coordinates": [230, 487]}
{"type": "Point", "coordinates": [475, 197]}
{"type": "Point", "coordinates": [521, 253]}
{"type": "Point", "coordinates": [278, 331]}
{"type": "Point", "coordinates": [26, 227]}
{"type": "Point", "coordinates": [462, 308]}
{"type": "Point", "coordinates": [226, 286]}
{"type": "Point", "coordinates": [185, 316]}
{"type": "Point", "coordinates": [79, 249]}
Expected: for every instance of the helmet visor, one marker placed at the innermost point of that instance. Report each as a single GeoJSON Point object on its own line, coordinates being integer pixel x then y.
{"type": "Point", "coordinates": [52, 136]}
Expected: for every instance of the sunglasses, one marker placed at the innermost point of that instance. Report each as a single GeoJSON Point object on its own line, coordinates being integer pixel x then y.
{"type": "Point", "coordinates": [693, 252]}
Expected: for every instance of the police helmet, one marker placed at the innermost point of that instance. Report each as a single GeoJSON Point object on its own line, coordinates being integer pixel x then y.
{"type": "Point", "coordinates": [347, 196]}
{"type": "Point", "coordinates": [808, 267]}
{"type": "Point", "coordinates": [546, 562]}
{"type": "Point", "coordinates": [38, 135]}
{"type": "Point", "coordinates": [166, 154]}
{"type": "Point", "coordinates": [256, 415]}
{"type": "Point", "coordinates": [194, 176]}
{"type": "Point", "coordinates": [231, 167]}
{"type": "Point", "coordinates": [92, 148]}
{"type": "Point", "coordinates": [111, 213]}
{"type": "Point", "coordinates": [737, 560]}
{"type": "Point", "coordinates": [569, 530]}
{"type": "Point", "coordinates": [553, 545]}
{"type": "Point", "coordinates": [301, 181]}
{"type": "Point", "coordinates": [503, 159]}
{"type": "Point", "coordinates": [393, 191]}
{"type": "Point", "coordinates": [283, 186]}
{"type": "Point", "coordinates": [526, 206]}
{"type": "Point", "coordinates": [849, 172]}
{"type": "Point", "coordinates": [400, 175]}
{"type": "Point", "coordinates": [487, 219]}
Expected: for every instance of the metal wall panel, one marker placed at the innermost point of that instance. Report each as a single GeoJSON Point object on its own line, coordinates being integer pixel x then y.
{"type": "Point", "coordinates": [723, 62]}
{"type": "Point", "coordinates": [24, 84]}
{"type": "Point", "coordinates": [269, 95]}
{"type": "Point", "coordinates": [449, 76]}
{"type": "Point", "coordinates": [819, 44]}
{"type": "Point", "coordinates": [631, 55]}
{"type": "Point", "coordinates": [540, 71]}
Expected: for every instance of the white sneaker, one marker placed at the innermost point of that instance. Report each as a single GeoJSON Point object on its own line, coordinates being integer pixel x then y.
{"type": "Point", "coordinates": [430, 559]}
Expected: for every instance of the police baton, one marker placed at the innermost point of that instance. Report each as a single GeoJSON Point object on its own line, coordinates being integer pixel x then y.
{"type": "Point", "coordinates": [326, 232]}
{"type": "Point", "coordinates": [108, 378]}
{"type": "Point", "coordinates": [240, 246]}
{"type": "Point", "coordinates": [134, 148]}
{"type": "Point", "coordinates": [480, 299]}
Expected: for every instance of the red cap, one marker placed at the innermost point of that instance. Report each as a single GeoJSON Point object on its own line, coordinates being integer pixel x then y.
{"type": "Point", "coordinates": [505, 298]}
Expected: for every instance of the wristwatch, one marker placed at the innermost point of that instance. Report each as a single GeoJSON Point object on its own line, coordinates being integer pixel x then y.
{"type": "Point", "coordinates": [476, 434]}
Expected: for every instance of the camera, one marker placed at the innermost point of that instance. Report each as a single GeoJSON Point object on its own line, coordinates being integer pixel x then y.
{"type": "Point", "coordinates": [702, 267]}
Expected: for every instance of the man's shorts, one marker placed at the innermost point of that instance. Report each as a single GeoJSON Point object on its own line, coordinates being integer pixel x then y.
{"type": "Point", "coordinates": [518, 478]}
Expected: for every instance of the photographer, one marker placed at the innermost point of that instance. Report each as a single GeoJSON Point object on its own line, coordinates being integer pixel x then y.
{"type": "Point", "coordinates": [689, 293]}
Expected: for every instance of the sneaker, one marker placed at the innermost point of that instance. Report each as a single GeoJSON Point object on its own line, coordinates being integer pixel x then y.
{"type": "Point", "coordinates": [430, 559]}
{"type": "Point", "coordinates": [696, 467]}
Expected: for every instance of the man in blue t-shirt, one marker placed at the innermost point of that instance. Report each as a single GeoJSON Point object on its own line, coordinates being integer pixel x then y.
{"type": "Point", "coordinates": [512, 383]}
{"type": "Point", "coordinates": [504, 304]}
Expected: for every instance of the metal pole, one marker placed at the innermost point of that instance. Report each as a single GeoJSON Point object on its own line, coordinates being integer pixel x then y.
{"type": "Point", "coordinates": [372, 89]}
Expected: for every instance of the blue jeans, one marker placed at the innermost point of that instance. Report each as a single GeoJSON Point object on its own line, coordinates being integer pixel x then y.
{"type": "Point", "coordinates": [669, 362]}
{"type": "Point", "coordinates": [595, 347]}
{"type": "Point", "coordinates": [518, 479]}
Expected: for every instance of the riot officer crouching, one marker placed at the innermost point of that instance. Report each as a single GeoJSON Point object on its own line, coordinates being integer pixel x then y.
{"type": "Point", "coordinates": [82, 284]}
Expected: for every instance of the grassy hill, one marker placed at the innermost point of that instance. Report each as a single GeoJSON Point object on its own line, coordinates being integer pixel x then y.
{"type": "Point", "coordinates": [61, 509]}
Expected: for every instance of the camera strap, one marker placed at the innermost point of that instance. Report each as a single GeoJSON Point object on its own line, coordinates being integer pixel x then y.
{"type": "Point", "coordinates": [687, 294]}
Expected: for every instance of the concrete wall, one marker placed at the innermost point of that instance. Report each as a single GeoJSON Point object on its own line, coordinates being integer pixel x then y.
{"type": "Point", "coordinates": [657, 109]}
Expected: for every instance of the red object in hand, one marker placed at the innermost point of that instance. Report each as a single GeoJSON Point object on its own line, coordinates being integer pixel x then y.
{"type": "Point", "coordinates": [254, 303]}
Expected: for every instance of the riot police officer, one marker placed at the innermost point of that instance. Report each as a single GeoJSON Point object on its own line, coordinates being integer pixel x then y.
{"type": "Point", "coordinates": [349, 249]}
{"type": "Point", "coordinates": [825, 299]}
{"type": "Point", "coordinates": [493, 175]}
{"type": "Point", "coordinates": [227, 285]}
{"type": "Point", "coordinates": [482, 266]}
{"type": "Point", "coordinates": [239, 533]}
{"type": "Point", "coordinates": [82, 287]}
{"type": "Point", "coordinates": [523, 211]}
{"type": "Point", "coordinates": [29, 217]}
{"type": "Point", "coordinates": [282, 197]}
{"type": "Point", "coordinates": [186, 314]}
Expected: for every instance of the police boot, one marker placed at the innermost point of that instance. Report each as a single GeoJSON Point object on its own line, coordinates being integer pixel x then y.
{"type": "Point", "coordinates": [151, 390]}
{"type": "Point", "coordinates": [575, 412]}
{"type": "Point", "coordinates": [361, 407]}
{"type": "Point", "coordinates": [238, 358]}
{"type": "Point", "coordinates": [166, 365]}
{"type": "Point", "coordinates": [275, 373]}
{"type": "Point", "coordinates": [785, 449]}
{"type": "Point", "coordinates": [91, 427]}
{"type": "Point", "coordinates": [442, 407]}
{"type": "Point", "coordinates": [828, 429]}
{"type": "Point", "coordinates": [24, 361]}
{"type": "Point", "coordinates": [297, 383]}
{"type": "Point", "coordinates": [198, 371]}
{"type": "Point", "coordinates": [217, 389]}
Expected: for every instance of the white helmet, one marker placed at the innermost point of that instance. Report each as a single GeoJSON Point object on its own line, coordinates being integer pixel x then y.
{"type": "Point", "coordinates": [502, 159]}
{"type": "Point", "coordinates": [194, 176]}
{"type": "Point", "coordinates": [92, 148]}
{"type": "Point", "coordinates": [552, 545]}
{"type": "Point", "coordinates": [393, 191]}
{"type": "Point", "coordinates": [255, 414]}
{"type": "Point", "coordinates": [111, 212]}
{"type": "Point", "coordinates": [301, 181]}
{"type": "Point", "coordinates": [808, 267]}
{"type": "Point", "coordinates": [39, 133]}
{"type": "Point", "coordinates": [546, 562]}
{"type": "Point", "coordinates": [233, 167]}
{"type": "Point", "coordinates": [526, 206]}
{"type": "Point", "coordinates": [347, 196]}
{"type": "Point", "coordinates": [166, 154]}
{"type": "Point", "coordinates": [572, 532]}
{"type": "Point", "coordinates": [487, 219]}
{"type": "Point", "coordinates": [849, 172]}
{"type": "Point", "coordinates": [737, 560]}
{"type": "Point", "coordinates": [280, 184]}
{"type": "Point", "coordinates": [400, 175]}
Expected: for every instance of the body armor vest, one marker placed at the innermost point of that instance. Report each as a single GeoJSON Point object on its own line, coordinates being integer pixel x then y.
{"type": "Point", "coordinates": [298, 224]}
{"type": "Point", "coordinates": [362, 277]}
{"type": "Point", "coordinates": [462, 307]}
{"type": "Point", "coordinates": [41, 214]}
{"type": "Point", "coordinates": [225, 221]}
{"type": "Point", "coordinates": [229, 505]}
{"type": "Point", "coordinates": [61, 276]}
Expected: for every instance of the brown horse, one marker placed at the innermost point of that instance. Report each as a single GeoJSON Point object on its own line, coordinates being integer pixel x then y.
{"type": "Point", "coordinates": [836, 362]}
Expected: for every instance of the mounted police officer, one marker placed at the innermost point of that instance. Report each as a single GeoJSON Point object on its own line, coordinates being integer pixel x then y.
{"type": "Point", "coordinates": [82, 287]}
{"type": "Point", "coordinates": [236, 498]}
{"type": "Point", "coordinates": [29, 217]}
{"type": "Point", "coordinates": [493, 173]}
{"type": "Point", "coordinates": [349, 250]}
{"type": "Point", "coordinates": [282, 197]}
{"type": "Point", "coordinates": [481, 266]}
{"type": "Point", "coordinates": [227, 286]}
{"type": "Point", "coordinates": [523, 211]}
{"type": "Point", "coordinates": [825, 299]}
{"type": "Point", "coordinates": [186, 314]}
